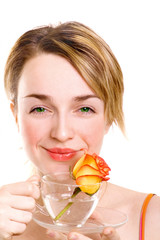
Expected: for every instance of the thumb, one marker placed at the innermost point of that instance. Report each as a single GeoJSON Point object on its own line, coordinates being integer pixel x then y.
{"type": "Point", "coordinates": [110, 234]}
{"type": "Point", "coordinates": [34, 179]}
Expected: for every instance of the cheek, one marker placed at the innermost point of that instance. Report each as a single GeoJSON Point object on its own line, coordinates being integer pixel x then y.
{"type": "Point", "coordinates": [93, 135]}
{"type": "Point", "coordinates": [31, 132]}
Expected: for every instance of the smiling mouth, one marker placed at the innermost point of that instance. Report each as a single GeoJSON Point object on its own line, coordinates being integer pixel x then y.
{"type": "Point", "coordinates": [61, 155]}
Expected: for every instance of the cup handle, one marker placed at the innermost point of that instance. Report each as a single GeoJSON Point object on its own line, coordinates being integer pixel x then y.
{"type": "Point", "coordinates": [42, 209]}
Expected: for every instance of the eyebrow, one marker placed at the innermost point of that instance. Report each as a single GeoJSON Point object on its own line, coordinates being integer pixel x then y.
{"type": "Point", "coordinates": [84, 97]}
{"type": "Point", "coordinates": [47, 97]}
{"type": "Point", "coordinates": [38, 96]}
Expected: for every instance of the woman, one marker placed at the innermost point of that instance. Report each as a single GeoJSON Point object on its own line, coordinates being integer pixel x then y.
{"type": "Point", "coordinates": [66, 90]}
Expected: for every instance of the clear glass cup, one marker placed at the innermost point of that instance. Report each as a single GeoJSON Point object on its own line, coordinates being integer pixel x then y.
{"type": "Point", "coordinates": [64, 202]}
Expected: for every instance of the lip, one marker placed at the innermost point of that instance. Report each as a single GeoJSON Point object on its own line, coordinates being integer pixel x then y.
{"type": "Point", "coordinates": [61, 154]}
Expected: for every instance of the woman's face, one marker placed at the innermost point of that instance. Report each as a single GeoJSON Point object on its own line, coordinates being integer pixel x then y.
{"type": "Point", "coordinates": [58, 114]}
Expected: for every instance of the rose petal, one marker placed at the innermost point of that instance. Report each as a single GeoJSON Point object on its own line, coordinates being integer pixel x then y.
{"type": "Point", "coordinates": [78, 164]}
{"type": "Point", "coordinates": [102, 165]}
{"type": "Point", "coordinates": [89, 184]}
{"type": "Point", "coordinates": [90, 160]}
{"type": "Point", "coordinates": [86, 159]}
{"type": "Point", "coordinates": [88, 170]}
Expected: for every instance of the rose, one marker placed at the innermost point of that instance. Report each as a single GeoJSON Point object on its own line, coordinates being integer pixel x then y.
{"type": "Point", "coordinates": [89, 171]}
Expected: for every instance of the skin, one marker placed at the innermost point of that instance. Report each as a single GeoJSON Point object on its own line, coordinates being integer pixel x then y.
{"type": "Point", "coordinates": [65, 124]}
{"type": "Point", "coordinates": [17, 203]}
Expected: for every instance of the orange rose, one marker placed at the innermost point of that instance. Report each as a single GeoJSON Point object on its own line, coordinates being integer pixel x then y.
{"type": "Point", "coordinates": [89, 172]}
{"type": "Point", "coordinates": [90, 169]}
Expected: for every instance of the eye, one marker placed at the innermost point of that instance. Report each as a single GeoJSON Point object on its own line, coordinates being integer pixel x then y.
{"type": "Point", "coordinates": [41, 111]}
{"type": "Point", "coordinates": [38, 110]}
{"type": "Point", "coordinates": [85, 109]}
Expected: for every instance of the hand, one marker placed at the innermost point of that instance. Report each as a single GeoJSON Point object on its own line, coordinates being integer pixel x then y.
{"type": "Point", "coordinates": [17, 202]}
{"type": "Point", "coordinates": [108, 234]}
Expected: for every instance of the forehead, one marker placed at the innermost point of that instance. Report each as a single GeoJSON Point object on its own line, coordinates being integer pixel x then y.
{"type": "Point", "coordinates": [50, 72]}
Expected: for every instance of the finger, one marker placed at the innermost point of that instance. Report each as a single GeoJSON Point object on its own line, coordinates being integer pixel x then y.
{"type": "Point", "coordinates": [20, 216]}
{"type": "Point", "coordinates": [17, 228]}
{"type": "Point", "coordinates": [56, 235]}
{"type": "Point", "coordinates": [77, 236]}
{"type": "Point", "coordinates": [11, 227]}
{"type": "Point", "coordinates": [23, 188]}
{"type": "Point", "coordinates": [110, 234]}
{"type": "Point", "coordinates": [34, 179]}
{"type": "Point", "coordinates": [5, 235]}
{"type": "Point", "coordinates": [22, 202]}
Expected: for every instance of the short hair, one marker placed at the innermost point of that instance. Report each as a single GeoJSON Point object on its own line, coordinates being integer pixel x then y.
{"type": "Point", "coordinates": [88, 53]}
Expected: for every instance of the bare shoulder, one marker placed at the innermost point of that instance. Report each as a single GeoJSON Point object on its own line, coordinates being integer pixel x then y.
{"type": "Point", "coordinates": [153, 219]}
{"type": "Point", "coordinates": [154, 210]}
{"type": "Point", "coordinates": [131, 202]}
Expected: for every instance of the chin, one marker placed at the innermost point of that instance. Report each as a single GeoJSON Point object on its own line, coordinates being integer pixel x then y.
{"type": "Point", "coordinates": [55, 168]}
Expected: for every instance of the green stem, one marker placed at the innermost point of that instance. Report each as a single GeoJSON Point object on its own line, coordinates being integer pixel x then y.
{"type": "Point", "coordinates": [76, 191]}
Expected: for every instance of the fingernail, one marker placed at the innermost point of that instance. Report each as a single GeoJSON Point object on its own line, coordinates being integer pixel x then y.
{"type": "Point", "coordinates": [107, 231]}
{"type": "Point", "coordinates": [73, 236]}
{"type": "Point", "coordinates": [50, 233]}
{"type": "Point", "coordinates": [37, 183]}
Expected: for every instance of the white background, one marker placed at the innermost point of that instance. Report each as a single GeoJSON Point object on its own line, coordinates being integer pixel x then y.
{"type": "Point", "coordinates": [132, 29]}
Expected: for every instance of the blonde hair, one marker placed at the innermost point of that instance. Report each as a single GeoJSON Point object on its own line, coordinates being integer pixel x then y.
{"type": "Point", "coordinates": [85, 50]}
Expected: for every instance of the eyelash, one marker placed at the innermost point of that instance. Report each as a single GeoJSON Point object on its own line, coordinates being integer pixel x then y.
{"type": "Point", "coordinates": [83, 110]}
{"type": "Point", "coordinates": [34, 110]}
{"type": "Point", "coordinates": [90, 110]}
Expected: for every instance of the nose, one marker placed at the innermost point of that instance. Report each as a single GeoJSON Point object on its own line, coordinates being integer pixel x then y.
{"type": "Point", "coordinates": [62, 128]}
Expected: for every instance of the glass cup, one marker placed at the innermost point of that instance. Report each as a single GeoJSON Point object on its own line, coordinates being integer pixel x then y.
{"type": "Point", "coordinates": [65, 202]}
